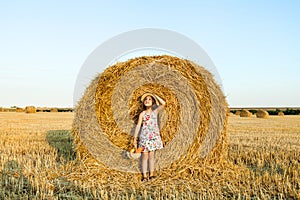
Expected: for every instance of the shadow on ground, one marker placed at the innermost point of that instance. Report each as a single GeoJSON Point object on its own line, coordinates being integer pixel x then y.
{"type": "Point", "coordinates": [62, 141]}
{"type": "Point", "coordinates": [14, 185]}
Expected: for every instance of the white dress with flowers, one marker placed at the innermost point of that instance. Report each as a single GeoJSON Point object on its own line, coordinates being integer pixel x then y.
{"type": "Point", "coordinates": [150, 139]}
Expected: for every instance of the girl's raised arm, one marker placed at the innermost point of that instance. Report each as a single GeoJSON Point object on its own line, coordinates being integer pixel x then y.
{"type": "Point", "coordinates": [162, 103]}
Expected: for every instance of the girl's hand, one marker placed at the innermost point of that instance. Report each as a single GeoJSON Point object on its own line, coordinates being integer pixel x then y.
{"type": "Point", "coordinates": [160, 100]}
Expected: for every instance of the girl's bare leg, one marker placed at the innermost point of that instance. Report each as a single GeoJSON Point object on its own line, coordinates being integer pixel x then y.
{"type": "Point", "coordinates": [151, 162]}
{"type": "Point", "coordinates": [144, 163]}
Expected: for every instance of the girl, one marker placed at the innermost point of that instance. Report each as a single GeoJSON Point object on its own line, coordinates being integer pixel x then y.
{"type": "Point", "coordinates": [149, 138]}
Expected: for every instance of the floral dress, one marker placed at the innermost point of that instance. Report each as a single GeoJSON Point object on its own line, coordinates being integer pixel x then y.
{"type": "Point", "coordinates": [149, 138]}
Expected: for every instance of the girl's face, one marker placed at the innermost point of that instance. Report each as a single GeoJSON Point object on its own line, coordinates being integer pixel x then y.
{"type": "Point", "coordinates": [148, 101]}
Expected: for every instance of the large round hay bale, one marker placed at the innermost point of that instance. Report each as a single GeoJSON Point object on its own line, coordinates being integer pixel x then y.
{"type": "Point", "coordinates": [245, 113]}
{"type": "Point", "coordinates": [192, 126]}
{"type": "Point", "coordinates": [262, 114]}
{"type": "Point", "coordinates": [19, 110]}
{"type": "Point", "coordinates": [280, 113]}
{"type": "Point", "coordinates": [1, 109]}
{"type": "Point", "coordinates": [30, 109]}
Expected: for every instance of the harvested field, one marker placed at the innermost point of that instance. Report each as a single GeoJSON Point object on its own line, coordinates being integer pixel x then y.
{"type": "Point", "coordinates": [34, 166]}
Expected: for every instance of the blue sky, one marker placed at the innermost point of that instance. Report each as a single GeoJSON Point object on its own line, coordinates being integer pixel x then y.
{"type": "Point", "coordinates": [255, 45]}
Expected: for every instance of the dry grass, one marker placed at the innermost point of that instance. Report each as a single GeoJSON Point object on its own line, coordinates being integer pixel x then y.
{"type": "Point", "coordinates": [23, 142]}
{"type": "Point", "coordinates": [270, 149]}
{"type": "Point", "coordinates": [267, 152]}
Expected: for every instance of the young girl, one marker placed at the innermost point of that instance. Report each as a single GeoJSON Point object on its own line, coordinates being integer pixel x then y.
{"type": "Point", "coordinates": [149, 138]}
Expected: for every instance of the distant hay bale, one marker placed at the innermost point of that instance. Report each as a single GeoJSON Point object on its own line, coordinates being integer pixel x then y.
{"type": "Point", "coordinates": [280, 113]}
{"type": "Point", "coordinates": [12, 109]}
{"type": "Point", "coordinates": [1, 109]}
{"type": "Point", "coordinates": [193, 123]}
{"type": "Point", "coordinates": [30, 109]}
{"type": "Point", "coordinates": [262, 114]}
{"type": "Point", "coordinates": [19, 110]}
{"type": "Point", "coordinates": [53, 110]}
{"type": "Point", "coordinates": [39, 109]}
{"type": "Point", "coordinates": [245, 113]}
{"type": "Point", "coordinates": [238, 112]}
